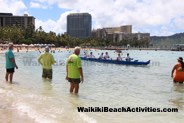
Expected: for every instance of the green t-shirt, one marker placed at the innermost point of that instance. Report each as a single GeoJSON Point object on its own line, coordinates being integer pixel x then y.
{"type": "Point", "coordinates": [74, 63]}
{"type": "Point", "coordinates": [8, 55]}
{"type": "Point", "coordinates": [46, 60]}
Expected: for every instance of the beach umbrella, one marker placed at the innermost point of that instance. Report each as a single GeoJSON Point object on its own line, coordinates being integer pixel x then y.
{"type": "Point", "coordinates": [31, 45]}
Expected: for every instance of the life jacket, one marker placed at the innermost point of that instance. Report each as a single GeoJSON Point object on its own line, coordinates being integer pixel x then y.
{"type": "Point", "coordinates": [178, 75]}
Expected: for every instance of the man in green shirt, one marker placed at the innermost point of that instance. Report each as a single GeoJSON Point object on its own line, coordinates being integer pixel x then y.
{"type": "Point", "coordinates": [46, 60]}
{"type": "Point", "coordinates": [10, 63]}
{"type": "Point", "coordinates": [74, 70]}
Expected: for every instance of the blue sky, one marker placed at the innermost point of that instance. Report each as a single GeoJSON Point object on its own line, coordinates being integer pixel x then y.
{"type": "Point", "coordinates": [157, 17]}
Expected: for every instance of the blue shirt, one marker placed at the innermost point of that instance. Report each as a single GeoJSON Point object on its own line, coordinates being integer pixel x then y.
{"type": "Point", "coordinates": [8, 55]}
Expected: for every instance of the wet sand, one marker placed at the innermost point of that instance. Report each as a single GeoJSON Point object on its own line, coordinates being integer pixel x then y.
{"type": "Point", "coordinates": [11, 115]}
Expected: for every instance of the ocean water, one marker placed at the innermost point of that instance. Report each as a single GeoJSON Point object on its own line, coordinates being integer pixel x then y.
{"type": "Point", "coordinates": [32, 99]}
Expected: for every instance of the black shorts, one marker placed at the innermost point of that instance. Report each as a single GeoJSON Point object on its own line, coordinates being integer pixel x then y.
{"type": "Point", "coordinates": [74, 80]}
{"type": "Point", "coordinates": [47, 73]}
{"type": "Point", "coordinates": [10, 70]}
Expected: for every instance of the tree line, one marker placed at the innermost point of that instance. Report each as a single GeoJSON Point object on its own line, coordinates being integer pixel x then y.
{"type": "Point", "coordinates": [30, 35]}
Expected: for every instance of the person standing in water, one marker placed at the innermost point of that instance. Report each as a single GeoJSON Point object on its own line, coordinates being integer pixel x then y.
{"type": "Point", "coordinates": [46, 60]}
{"type": "Point", "coordinates": [177, 72]}
{"type": "Point", "coordinates": [10, 63]}
{"type": "Point", "coordinates": [74, 70]}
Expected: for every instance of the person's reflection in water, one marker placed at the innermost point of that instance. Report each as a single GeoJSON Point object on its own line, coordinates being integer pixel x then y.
{"type": "Point", "coordinates": [47, 87]}
{"type": "Point", "coordinates": [178, 100]}
{"type": "Point", "coordinates": [76, 101]}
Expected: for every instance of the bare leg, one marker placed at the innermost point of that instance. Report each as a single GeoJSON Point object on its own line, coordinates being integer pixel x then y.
{"type": "Point", "coordinates": [76, 87]}
{"type": "Point", "coordinates": [174, 81]}
{"type": "Point", "coordinates": [11, 77]}
{"type": "Point", "coordinates": [6, 76]}
{"type": "Point", "coordinates": [71, 87]}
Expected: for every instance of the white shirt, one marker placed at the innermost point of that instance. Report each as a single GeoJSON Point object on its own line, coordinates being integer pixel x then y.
{"type": "Point", "coordinates": [128, 58]}
{"type": "Point", "coordinates": [106, 56]}
{"type": "Point", "coordinates": [91, 56]}
{"type": "Point", "coordinates": [85, 55]}
{"type": "Point", "coordinates": [119, 58]}
{"type": "Point", "coordinates": [101, 56]}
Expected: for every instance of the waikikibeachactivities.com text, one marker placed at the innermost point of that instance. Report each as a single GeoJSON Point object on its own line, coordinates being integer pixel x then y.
{"type": "Point", "coordinates": [125, 109]}
{"type": "Point", "coordinates": [32, 61]}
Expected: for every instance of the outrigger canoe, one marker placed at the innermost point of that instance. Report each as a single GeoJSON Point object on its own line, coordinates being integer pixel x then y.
{"type": "Point", "coordinates": [135, 62]}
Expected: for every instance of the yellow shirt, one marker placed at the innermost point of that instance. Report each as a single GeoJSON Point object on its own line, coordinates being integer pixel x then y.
{"type": "Point", "coordinates": [46, 60]}
{"type": "Point", "coordinates": [74, 63]}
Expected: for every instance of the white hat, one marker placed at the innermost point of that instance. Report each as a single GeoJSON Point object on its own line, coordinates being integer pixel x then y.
{"type": "Point", "coordinates": [47, 49]}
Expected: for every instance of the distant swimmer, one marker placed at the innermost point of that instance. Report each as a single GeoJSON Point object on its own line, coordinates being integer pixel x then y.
{"type": "Point", "coordinates": [119, 58]}
{"type": "Point", "coordinates": [17, 49]}
{"type": "Point", "coordinates": [46, 59]}
{"type": "Point", "coordinates": [118, 51]}
{"type": "Point", "coordinates": [39, 50]}
{"type": "Point", "coordinates": [74, 70]}
{"type": "Point", "coordinates": [10, 63]}
{"type": "Point", "coordinates": [178, 71]}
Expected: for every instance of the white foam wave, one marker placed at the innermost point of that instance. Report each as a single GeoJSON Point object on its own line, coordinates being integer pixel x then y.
{"type": "Point", "coordinates": [86, 118]}
{"type": "Point", "coordinates": [2, 91]}
{"type": "Point", "coordinates": [24, 109]}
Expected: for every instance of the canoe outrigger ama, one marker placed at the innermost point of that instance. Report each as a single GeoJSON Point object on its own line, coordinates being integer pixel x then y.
{"type": "Point", "coordinates": [135, 62]}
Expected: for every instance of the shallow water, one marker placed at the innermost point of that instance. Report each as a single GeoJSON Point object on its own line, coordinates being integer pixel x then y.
{"type": "Point", "coordinates": [32, 99]}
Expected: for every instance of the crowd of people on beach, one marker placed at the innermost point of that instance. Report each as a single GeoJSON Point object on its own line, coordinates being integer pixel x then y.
{"type": "Point", "coordinates": [74, 72]}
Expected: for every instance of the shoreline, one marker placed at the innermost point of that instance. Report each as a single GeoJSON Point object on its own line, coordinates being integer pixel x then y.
{"type": "Point", "coordinates": [33, 49]}
{"type": "Point", "coordinates": [166, 49]}
{"type": "Point", "coordinates": [10, 113]}
{"type": "Point", "coordinates": [2, 51]}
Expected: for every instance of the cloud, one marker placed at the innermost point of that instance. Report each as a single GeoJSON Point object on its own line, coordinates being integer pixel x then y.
{"type": "Point", "coordinates": [179, 22]}
{"type": "Point", "coordinates": [58, 26]}
{"type": "Point", "coordinates": [142, 14]}
{"type": "Point", "coordinates": [37, 5]}
{"type": "Point", "coordinates": [12, 6]}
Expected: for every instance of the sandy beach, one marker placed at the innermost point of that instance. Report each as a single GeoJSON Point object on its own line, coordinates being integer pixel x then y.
{"type": "Point", "coordinates": [3, 50]}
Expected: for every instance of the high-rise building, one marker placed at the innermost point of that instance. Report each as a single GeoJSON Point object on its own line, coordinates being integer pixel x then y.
{"type": "Point", "coordinates": [7, 19]}
{"type": "Point", "coordinates": [79, 25]}
{"type": "Point", "coordinates": [118, 34]}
